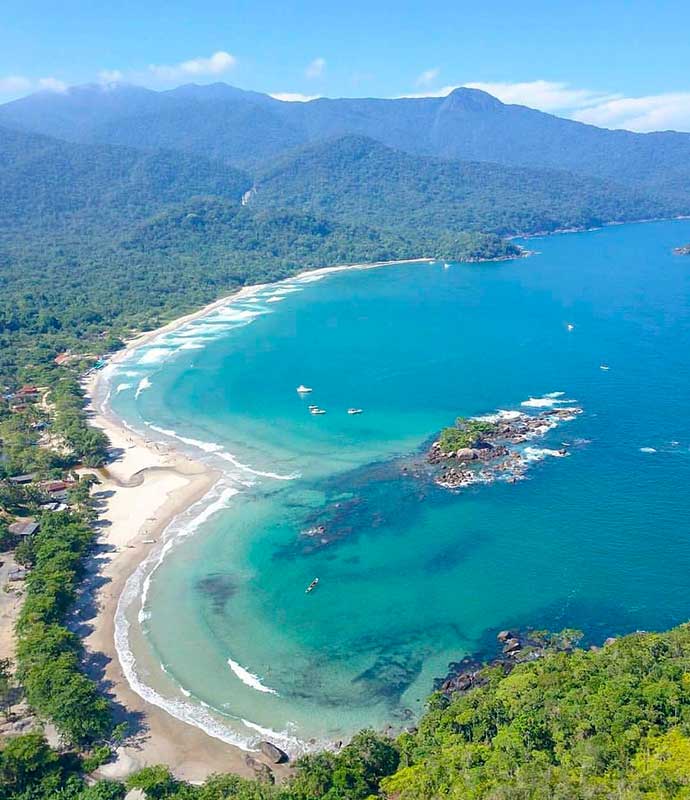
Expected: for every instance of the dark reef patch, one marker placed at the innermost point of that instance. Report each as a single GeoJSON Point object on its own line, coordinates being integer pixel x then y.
{"type": "Point", "coordinates": [218, 587]}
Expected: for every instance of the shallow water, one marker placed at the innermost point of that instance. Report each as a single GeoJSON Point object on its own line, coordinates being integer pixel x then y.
{"type": "Point", "coordinates": [417, 576]}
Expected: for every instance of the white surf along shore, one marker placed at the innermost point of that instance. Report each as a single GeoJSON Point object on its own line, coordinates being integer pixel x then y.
{"type": "Point", "coordinates": [159, 489]}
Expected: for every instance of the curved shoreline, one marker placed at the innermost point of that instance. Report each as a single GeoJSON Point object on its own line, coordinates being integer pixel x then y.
{"type": "Point", "coordinates": [147, 487]}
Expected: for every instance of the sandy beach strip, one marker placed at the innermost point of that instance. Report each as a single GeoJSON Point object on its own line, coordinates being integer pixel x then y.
{"type": "Point", "coordinates": [141, 491]}
{"type": "Point", "coordinates": [144, 487]}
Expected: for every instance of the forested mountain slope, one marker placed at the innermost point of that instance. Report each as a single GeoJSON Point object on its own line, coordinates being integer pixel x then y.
{"type": "Point", "coordinates": [52, 184]}
{"type": "Point", "coordinates": [246, 128]}
{"type": "Point", "coordinates": [354, 178]}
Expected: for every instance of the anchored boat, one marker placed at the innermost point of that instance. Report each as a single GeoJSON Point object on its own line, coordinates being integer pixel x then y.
{"type": "Point", "coordinates": [312, 586]}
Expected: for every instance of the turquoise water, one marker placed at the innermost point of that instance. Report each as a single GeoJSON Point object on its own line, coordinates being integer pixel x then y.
{"type": "Point", "coordinates": [417, 576]}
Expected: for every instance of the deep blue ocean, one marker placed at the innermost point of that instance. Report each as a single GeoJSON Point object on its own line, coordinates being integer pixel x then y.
{"type": "Point", "coordinates": [412, 576]}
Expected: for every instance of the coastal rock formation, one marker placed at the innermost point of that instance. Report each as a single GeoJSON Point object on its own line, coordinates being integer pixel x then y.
{"type": "Point", "coordinates": [262, 771]}
{"type": "Point", "coordinates": [516, 648]}
{"type": "Point", "coordinates": [490, 448]}
{"type": "Point", "coordinates": [272, 752]}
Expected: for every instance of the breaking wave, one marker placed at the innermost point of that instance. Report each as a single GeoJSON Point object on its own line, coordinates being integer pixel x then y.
{"type": "Point", "coordinates": [144, 384]}
{"type": "Point", "coordinates": [249, 679]}
{"type": "Point", "coordinates": [211, 448]}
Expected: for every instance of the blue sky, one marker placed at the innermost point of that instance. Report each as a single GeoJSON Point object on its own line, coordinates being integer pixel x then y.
{"type": "Point", "coordinates": [614, 63]}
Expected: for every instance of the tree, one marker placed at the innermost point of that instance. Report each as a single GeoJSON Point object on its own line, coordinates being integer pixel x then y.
{"type": "Point", "coordinates": [26, 760]}
{"type": "Point", "coordinates": [157, 782]}
{"type": "Point", "coordinates": [7, 691]}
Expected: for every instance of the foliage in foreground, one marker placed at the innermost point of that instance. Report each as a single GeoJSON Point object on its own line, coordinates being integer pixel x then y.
{"type": "Point", "coordinates": [611, 723]}
{"type": "Point", "coordinates": [48, 653]}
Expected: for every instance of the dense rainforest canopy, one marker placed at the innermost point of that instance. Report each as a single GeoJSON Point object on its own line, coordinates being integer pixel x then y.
{"type": "Point", "coordinates": [607, 723]}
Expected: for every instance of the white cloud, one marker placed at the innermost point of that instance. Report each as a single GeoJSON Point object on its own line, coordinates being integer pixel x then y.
{"type": "Point", "coordinates": [52, 85]}
{"type": "Point", "coordinates": [668, 111]}
{"type": "Point", "coordinates": [217, 64]}
{"type": "Point", "coordinates": [17, 85]}
{"type": "Point", "coordinates": [13, 84]}
{"type": "Point", "coordinates": [294, 97]}
{"type": "Point", "coordinates": [427, 77]}
{"type": "Point", "coordinates": [664, 111]}
{"type": "Point", "coordinates": [544, 95]}
{"type": "Point", "coordinates": [111, 76]}
{"type": "Point", "coordinates": [316, 68]}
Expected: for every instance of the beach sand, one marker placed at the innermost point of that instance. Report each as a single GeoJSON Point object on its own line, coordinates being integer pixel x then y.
{"type": "Point", "coordinates": [11, 597]}
{"type": "Point", "coordinates": [142, 490]}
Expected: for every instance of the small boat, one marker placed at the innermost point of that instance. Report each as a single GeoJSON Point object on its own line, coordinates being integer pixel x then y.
{"type": "Point", "coordinates": [446, 265]}
{"type": "Point", "coordinates": [302, 389]}
{"type": "Point", "coordinates": [571, 327]}
{"type": "Point", "coordinates": [312, 586]}
{"type": "Point", "coordinates": [605, 367]}
{"type": "Point", "coordinates": [316, 411]}
{"type": "Point", "coordinates": [352, 411]}
{"type": "Point", "coordinates": [312, 407]}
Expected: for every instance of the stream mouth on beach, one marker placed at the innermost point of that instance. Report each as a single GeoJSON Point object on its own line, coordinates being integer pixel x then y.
{"type": "Point", "coordinates": [216, 625]}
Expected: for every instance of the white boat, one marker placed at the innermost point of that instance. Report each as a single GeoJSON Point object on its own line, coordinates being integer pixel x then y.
{"type": "Point", "coordinates": [446, 265]}
{"type": "Point", "coordinates": [302, 389]}
{"type": "Point", "coordinates": [605, 367]}
{"type": "Point", "coordinates": [317, 411]}
{"type": "Point", "coordinates": [571, 327]}
{"type": "Point", "coordinates": [311, 408]}
{"type": "Point", "coordinates": [312, 586]}
{"type": "Point", "coordinates": [354, 410]}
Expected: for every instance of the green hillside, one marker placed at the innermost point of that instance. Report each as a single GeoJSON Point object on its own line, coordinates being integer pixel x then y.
{"type": "Point", "coordinates": [48, 184]}
{"type": "Point", "coordinates": [248, 128]}
{"type": "Point", "coordinates": [611, 723]}
{"type": "Point", "coordinates": [356, 178]}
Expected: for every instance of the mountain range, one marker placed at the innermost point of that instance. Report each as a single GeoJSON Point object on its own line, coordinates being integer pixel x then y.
{"type": "Point", "coordinates": [247, 128]}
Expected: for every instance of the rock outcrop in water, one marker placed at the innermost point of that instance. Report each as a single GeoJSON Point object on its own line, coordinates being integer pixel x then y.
{"type": "Point", "coordinates": [514, 647]}
{"type": "Point", "coordinates": [485, 449]}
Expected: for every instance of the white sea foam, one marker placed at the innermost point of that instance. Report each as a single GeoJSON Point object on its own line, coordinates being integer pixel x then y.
{"type": "Point", "coordinates": [546, 400]}
{"type": "Point", "coordinates": [540, 453]}
{"type": "Point", "coordinates": [287, 739]}
{"type": "Point", "coordinates": [648, 450]}
{"type": "Point", "coordinates": [275, 299]}
{"type": "Point", "coordinates": [229, 314]}
{"type": "Point", "coordinates": [501, 416]}
{"type": "Point", "coordinates": [217, 450]}
{"type": "Point", "coordinates": [144, 384]}
{"type": "Point", "coordinates": [249, 678]}
{"type": "Point", "coordinates": [122, 387]}
{"type": "Point", "coordinates": [154, 355]}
